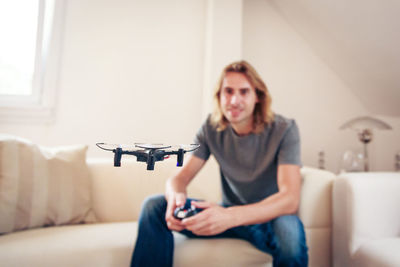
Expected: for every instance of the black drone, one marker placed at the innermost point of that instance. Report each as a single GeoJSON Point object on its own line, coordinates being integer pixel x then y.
{"type": "Point", "coordinates": [149, 153]}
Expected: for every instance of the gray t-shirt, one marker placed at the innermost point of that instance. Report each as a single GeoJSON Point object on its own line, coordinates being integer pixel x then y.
{"type": "Point", "coordinates": [248, 164]}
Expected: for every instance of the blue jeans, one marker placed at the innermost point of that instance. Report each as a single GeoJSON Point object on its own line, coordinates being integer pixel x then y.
{"type": "Point", "coordinates": [283, 237]}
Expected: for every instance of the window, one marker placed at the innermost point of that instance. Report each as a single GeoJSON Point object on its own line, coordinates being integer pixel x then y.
{"type": "Point", "coordinates": [17, 50]}
{"type": "Point", "coordinates": [30, 42]}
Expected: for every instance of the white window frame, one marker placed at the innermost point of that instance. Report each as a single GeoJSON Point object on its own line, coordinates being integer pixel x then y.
{"type": "Point", "coordinates": [39, 107]}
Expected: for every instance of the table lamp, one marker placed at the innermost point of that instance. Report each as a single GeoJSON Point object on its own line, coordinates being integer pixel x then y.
{"type": "Point", "coordinates": [363, 126]}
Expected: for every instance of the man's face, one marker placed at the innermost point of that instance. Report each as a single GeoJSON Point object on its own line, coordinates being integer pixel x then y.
{"type": "Point", "coordinates": [238, 99]}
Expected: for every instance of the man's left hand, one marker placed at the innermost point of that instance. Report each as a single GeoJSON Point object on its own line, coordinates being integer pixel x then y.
{"type": "Point", "coordinates": [213, 220]}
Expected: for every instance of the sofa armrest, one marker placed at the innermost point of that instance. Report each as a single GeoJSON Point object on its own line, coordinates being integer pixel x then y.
{"type": "Point", "coordinates": [365, 207]}
{"type": "Point", "coordinates": [316, 196]}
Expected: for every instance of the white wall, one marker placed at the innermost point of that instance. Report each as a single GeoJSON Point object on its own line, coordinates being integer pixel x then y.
{"type": "Point", "coordinates": [305, 88]}
{"type": "Point", "coordinates": [132, 71]}
{"type": "Point", "coordinates": [358, 40]}
{"type": "Point", "coordinates": [140, 71]}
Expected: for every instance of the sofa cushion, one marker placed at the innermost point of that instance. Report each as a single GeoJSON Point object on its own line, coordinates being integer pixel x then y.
{"type": "Point", "coordinates": [112, 244]}
{"type": "Point", "coordinates": [41, 186]}
{"type": "Point", "coordinates": [379, 252]}
{"type": "Point", "coordinates": [217, 252]}
{"type": "Point", "coordinates": [70, 245]}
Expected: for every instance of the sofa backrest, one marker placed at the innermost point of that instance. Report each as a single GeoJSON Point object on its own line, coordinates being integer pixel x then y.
{"type": "Point", "coordinates": [118, 192]}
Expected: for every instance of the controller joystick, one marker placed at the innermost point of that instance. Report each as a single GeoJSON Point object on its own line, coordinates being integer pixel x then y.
{"type": "Point", "coordinates": [181, 213]}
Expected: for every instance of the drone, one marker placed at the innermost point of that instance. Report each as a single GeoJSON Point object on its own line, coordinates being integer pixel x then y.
{"type": "Point", "coordinates": [149, 153]}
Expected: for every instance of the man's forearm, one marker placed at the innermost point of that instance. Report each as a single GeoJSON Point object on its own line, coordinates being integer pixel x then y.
{"type": "Point", "coordinates": [175, 185]}
{"type": "Point", "coordinates": [270, 208]}
{"type": "Point", "coordinates": [179, 182]}
{"type": "Point", "coordinates": [285, 201]}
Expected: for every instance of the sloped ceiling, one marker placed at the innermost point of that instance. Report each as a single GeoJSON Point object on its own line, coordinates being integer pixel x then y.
{"type": "Point", "coordinates": [359, 40]}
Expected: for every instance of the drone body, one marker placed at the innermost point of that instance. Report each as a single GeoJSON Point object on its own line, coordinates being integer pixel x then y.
{"type": "Point", "coordinates": [148, 153]}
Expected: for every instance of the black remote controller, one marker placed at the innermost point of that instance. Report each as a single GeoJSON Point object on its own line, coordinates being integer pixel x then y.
{"type": "Point", "coordinates": [186, 211]}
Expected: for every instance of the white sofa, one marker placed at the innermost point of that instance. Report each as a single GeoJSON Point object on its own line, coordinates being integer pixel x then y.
{"type": "Point", "coordinates": [117, 194]}
{"type": "Point", "coordinates": [366, 212]}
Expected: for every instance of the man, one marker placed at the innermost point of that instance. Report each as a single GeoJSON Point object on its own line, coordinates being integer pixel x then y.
{"type": "Point", "coordinates": [259, 156]}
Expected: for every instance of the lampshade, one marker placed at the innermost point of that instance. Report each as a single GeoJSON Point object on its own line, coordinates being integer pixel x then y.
{"type": "Point", "coordinates": [365, 122]}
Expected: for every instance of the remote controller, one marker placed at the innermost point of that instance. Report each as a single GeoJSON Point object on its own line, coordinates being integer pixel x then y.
{"type": "Point", "coordinates": [186, 211]}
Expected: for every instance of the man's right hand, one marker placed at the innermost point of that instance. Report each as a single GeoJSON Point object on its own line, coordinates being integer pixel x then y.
{"type": "Point", "coordinates": [174, 200]}
{"type": "Point", "coordinates": [175, 190]}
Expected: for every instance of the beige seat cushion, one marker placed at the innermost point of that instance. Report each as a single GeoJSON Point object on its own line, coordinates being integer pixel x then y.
{"type": "Point", "coordinates": [379, 252]}
{"type": "Point", "coordinates": [71, 245]}
{"type": "Point", "coordinates": [42, 186]}
{"type": "Point", "coordinates": [219, 252]}
{"type": "Point", "coordinates": [111, 244]}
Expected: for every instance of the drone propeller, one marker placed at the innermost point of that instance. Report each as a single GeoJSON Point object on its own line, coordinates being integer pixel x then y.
{"type": "Point", "coordinates": [112, 147]}
{"type": "Point", "coordinates": [186, 148]}
{"type": "Point", "coordinates": [189, 148]}
{"type": "Point", "coordinates": [104, 146]}
{"type": "Point", "coordinates": [151, 146]}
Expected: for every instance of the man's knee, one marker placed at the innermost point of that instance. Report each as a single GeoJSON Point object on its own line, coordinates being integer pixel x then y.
{"type": "Point", "coordinates": [290, 228]}
{"type": "Point", "coordinates": [290, 237]}
{"type": "Point", "coordinates": [154, 205]}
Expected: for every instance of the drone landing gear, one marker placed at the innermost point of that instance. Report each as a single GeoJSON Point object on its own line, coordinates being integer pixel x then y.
{"type": "Point", "coordinates": [117, 157]}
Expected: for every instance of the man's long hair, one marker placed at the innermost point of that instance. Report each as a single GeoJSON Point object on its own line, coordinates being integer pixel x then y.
{"type": "Point", "coordinates": [262, 114]}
